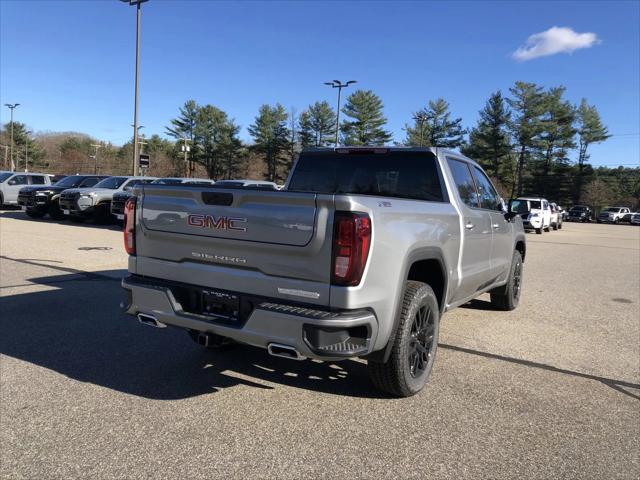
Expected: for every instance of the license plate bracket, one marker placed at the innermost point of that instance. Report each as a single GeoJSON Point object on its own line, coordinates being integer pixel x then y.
{"type": "Point", "coordinates": [66, 212]}
{"type": "Point", "coordinates": [222, 305]}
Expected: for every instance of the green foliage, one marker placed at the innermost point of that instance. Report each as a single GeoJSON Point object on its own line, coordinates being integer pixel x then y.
{"type": "Point", "coordinates": [317, 125]}
{"type": "Point", "coordinates": [364, 109]}
{"type": "Point", "coordinates": [271, 138]}
{"type": "Point", "coordinates": [489, 142]}
{"type": "Point", "coordinates": [215, 141]}
{"type": "Point", "coordinates": [434, 127]}
{"type": "Point", "coordinates": [590, 130]}
{"type": "Point", "coordinates": [527, 104]}
{"type": "Point", "coordinates": [27, 153]}
{"type": "Point", "coordinates": [556, 139]}
{"type": "Point", "coordinates": [185, 125]}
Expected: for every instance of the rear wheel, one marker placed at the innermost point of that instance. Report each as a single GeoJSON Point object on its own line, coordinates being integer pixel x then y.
{"type": "Point", "coordinates": [508, 296]}
{"type": "Point", "coordinates": [409, 365]}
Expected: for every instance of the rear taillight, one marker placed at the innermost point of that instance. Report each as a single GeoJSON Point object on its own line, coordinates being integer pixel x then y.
{"type": "Point", "coordinates": [130, 226]}
{"type": "Point", "coordinates": [351, 241]}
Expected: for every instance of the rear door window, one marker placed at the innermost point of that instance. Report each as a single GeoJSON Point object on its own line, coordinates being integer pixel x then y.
{"type": "Point", "coordinates": [37, 179]}
{"type": "Point", "coordinates": [413, 175]}
{"type": "Point", "coordinates": [464, 182]}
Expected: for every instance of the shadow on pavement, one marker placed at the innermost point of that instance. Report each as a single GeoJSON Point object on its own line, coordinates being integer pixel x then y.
{"type": "Point", "coordinates": [76, 328]}
{"type": "Point", "coordinates": [477, 304]}
{"type": "Point", "coordinates": [618, 385]}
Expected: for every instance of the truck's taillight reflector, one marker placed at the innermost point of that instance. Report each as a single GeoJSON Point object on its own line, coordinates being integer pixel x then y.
{"type": "Point", "coordinates": [130, 226]}
{"type": "Point", "coordinates": [351, 241]}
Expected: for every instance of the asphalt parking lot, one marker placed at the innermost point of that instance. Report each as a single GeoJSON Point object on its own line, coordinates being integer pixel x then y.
{"type": "Point", "coordinates": [551, 390]}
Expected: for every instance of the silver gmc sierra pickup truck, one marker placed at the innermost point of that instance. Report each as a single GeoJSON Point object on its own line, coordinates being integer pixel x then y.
{"type": "Point", "coordinates": [358, 256]}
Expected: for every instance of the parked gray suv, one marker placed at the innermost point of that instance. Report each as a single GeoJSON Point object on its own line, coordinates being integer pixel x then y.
{"type": "Point", "coordinates": [358, 256]}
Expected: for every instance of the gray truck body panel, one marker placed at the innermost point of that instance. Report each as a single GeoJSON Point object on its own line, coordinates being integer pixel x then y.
{"type": "Point", "coordinates": [285, 254]}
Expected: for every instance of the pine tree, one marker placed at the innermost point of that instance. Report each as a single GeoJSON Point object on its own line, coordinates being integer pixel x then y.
{"type": "Point", "coordinates": [213, 135]}
{"type": "Point", "coordinates": [526, 125]}
{"type": "Point", "coordinates": [590, 130]}
{"type": "Point", "coordinates": [433, 127]}
{"type": "Point", "coordinates": [317, 125]}
{"type": "Point", "coordinates": [556, 139]}
{"type": "Point", "coordinates": [364, 108]}
{"type": "Point", "coordinates": [489, 142]}
{"type": "Point", "coordinates": [27, 153]}
{"type": "Point", "coordinates": [271, 137]}
{"type": "Point", "coordinates": [185, 125]}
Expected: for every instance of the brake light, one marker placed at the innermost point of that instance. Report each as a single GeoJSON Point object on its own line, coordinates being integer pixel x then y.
{"type": "Point", "coordinates": [130, 226]}
{"type": "Point", "coordinates": [351, 241]}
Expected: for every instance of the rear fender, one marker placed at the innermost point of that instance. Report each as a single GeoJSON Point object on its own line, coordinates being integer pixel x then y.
{"type": "Point", "coordinates": [420, 254]}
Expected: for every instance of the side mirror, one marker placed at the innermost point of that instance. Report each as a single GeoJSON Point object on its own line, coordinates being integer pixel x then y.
{"type": "Point", "coordinates": [509, 214]}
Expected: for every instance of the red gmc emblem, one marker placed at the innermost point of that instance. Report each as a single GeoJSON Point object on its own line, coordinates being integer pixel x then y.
{"type": "Point", "coordinates": [219, 223]}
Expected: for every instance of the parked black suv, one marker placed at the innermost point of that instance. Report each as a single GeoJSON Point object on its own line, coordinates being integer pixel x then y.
{"type": "Point", "coordinates": [580, 213]}
{"type": "Point", "coordinates": [41, 200]}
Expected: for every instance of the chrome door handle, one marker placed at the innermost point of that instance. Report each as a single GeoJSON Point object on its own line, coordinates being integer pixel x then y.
{"type": "Point", "coordinates": [495, 225]}
{"type": "Point", "coordinates": [469, 225]}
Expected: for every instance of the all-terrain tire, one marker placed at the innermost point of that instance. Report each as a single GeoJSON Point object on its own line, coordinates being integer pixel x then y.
{"type": "Point", "coordinates": [409, 365]}
{"type": "Point", "coordinates": [54, 211]}
{"type": "Point", "coordinates": [507, 297]}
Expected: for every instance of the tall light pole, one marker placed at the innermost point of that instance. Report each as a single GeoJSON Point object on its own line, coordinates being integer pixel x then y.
{"type": "Point", "coordinates": [339, 85]}
{"type": "Point", "coordinates": [95, 157]}
{"type": "Point", "coordinates": [137, 3]}
{"type": "Point", "coordinates": [185, 149]}
{"type": "Point", "coordinates": [11, 107]}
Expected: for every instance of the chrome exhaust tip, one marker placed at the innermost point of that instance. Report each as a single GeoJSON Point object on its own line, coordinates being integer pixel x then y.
{"type": "Point", "coordinates": [284, 351]}
{"type": "Point", "coordinates": [150, 320]}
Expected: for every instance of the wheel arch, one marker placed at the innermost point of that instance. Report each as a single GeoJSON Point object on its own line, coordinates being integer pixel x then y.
{"type": "Point", "coordinates": [425, 265]}
{"type": "Point", "coordinates": [521, 246]}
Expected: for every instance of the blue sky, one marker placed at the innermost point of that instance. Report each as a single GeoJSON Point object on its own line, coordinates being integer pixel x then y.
{"type": "Point", "coordinates": [70, 63]}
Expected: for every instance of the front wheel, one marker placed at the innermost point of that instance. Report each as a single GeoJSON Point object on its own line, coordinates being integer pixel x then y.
{"type": "Point", "coordinates": [508, 296]}
{"type": "Point", "coordinates": [409, 365]}
{"type": "Point", "coordinates": [555, 226]}
{"type": "Point", "coordinates": [55, 212]}
{"type": "Point", "coordinates": [539, 231]}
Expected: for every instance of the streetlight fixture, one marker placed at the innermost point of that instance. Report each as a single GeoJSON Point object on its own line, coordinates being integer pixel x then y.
{"type": "Point", "coordinates": [137, 3]}
{"type": "Point", "coordinates": [339, 85]}
{"type": "Point", "coordinates": [95, 157]}
{"type": "Point", "coordinates": [11, 107]}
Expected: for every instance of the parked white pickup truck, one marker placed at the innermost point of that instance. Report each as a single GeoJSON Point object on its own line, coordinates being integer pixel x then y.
{"type": "Point", "coordinates": [12, 182]}
{"type": "Point", "coordinates": [612, 214]}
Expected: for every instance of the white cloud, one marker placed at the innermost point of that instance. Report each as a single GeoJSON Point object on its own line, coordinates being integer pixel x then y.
{"type": "Point", "coordinates": [555, 40]}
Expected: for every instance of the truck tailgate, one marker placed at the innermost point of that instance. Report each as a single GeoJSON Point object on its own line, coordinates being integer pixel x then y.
{"type": "Point", "coordinates": [263, 242]}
